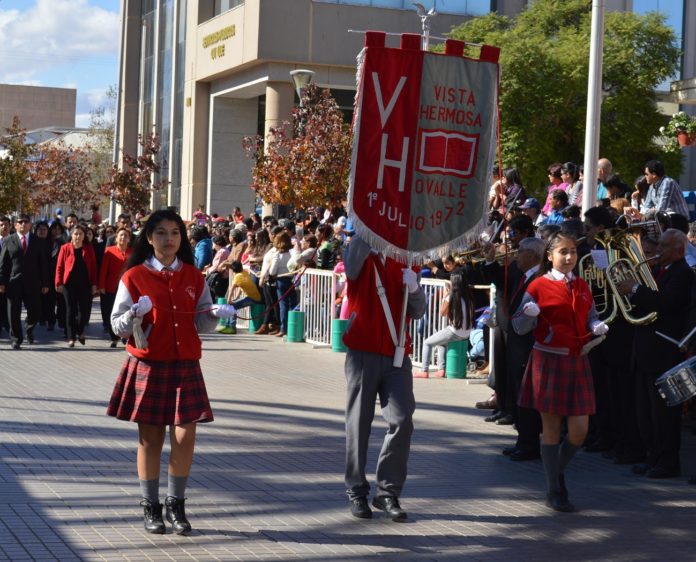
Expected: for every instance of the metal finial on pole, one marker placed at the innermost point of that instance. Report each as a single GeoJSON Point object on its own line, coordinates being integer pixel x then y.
{"type": "Point", "coordinates": [425, 18]}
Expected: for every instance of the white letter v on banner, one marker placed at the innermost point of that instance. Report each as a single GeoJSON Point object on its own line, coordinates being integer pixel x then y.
{"type": "Point", "coordinates": [384, 113]}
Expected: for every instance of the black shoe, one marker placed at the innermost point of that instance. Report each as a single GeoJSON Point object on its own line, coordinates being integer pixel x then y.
{"type": "Point", "coordinates": [663, 472]}
{"type": "Point", "coordinates": [81, 339]}
{"type": "Point", "coordinates": [390, 506]}
{"type": "Point", "coordinates": [490, 404]}
{"type": "Point", "coordinates": [521, 455]}
{"type": "Point", "coordinates": [16, 346]}
{"type": "Point", "coordinates": [641, 468]}
{"type": "Point", "coordinates": [507, 419]}
{"type": "Point", "coordinates": [152, 517]}
{"type": "Point", "coordinates": [360, 509]}
{"type": "Point", "coordinates": [507, 451]}
{"type": "Point", "coordinates": [495, 417]}
{"type": "Point", "coordinates": [30, 339]}
{"type": "Point", "coordinates": [177, 516]}
{"type": "Point", "coordinates": [114, 343]}
{"type": "Point", "coordinates": [557, 502]}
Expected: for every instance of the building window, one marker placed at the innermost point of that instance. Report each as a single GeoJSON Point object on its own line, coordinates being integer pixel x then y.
{"type": "Point", "coordinates": [458, 7]}
{"type": "Point", "coordinates": [222, 6]}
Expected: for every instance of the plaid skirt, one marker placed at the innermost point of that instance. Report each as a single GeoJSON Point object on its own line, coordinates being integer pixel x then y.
{"type": "Point", "coordinates": [160, 393]}
{"type": "Point", "coordinates": [558, 384]}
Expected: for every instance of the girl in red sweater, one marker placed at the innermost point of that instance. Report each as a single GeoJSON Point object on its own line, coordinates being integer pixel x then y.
{"type": "Point", "coordinates": [160, 383]}
{"type": "Point", "coordinates": [558, 306]}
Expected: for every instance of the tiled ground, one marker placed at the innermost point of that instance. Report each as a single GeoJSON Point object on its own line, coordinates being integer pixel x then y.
{"type": "Point", "coordinates": [267, 478]}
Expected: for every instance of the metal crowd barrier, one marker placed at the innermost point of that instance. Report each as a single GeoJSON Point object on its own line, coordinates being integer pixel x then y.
{"type": "Point", "coordinates": [317, 301]}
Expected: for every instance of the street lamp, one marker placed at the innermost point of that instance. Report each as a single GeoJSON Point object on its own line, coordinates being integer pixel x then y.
{"type": "Point", "coordinates": [301, 78]}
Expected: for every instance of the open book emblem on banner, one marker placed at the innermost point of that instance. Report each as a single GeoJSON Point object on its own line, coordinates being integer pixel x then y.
{"type": "Point", "coordinates": [445, 152]}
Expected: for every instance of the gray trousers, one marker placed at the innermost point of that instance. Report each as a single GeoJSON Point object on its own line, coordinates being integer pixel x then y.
{"type": "Point", "coordinates": [369, 375]}
{"type": "Point", "coordinates": [440, 340]}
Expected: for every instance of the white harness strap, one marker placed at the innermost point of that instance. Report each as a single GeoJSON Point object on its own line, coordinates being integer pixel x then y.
{"type": "Point", "coordinates": [381, 293]}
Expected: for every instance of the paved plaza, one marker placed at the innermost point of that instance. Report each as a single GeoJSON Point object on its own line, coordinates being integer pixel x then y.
{"type": "Point", "coordinates": [267, 476]}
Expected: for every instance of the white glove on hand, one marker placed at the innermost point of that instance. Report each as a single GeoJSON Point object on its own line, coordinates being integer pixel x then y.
{"type": "Point", "coordinates": [531, 309]}
{"type": "Point", "coordinates": [599, 328]}
{"type": "Point", "coordinates": [142, 307]}
{"type": "Point", "coordinates": [224, 311]}
{"type": "Point", "coordinates": [410, 280]}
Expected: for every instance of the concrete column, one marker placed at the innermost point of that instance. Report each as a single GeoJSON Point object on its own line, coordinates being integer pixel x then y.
{"type": "Point", "coordinates": [280, 97]}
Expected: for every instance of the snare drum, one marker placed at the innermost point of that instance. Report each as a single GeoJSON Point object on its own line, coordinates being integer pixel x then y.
{"type": "Point", "coordinates": [679, 383]}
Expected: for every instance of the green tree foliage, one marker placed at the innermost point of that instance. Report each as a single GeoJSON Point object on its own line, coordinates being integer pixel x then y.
{"type": "Point", "coordinates": [102, 127]}
{"type": "Point", "coordinates": [306, 162]}
{"type": "Point", "coordinates": [16, 180]}
{"type": "Point", "coordinates": [543, 88]}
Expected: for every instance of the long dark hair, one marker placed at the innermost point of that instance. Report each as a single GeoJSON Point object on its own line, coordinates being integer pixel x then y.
{"type": "Point", "coordinates": [143, 250]}
{"type": "Point", "coordinates": [460, 290]}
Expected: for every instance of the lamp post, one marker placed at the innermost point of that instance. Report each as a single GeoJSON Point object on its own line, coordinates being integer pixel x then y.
{"type": "Point", "coordinates": [301, 78]}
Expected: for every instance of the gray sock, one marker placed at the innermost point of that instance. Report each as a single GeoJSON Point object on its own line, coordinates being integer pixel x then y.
{"type": "Point", "coordinates": [549, 456]}
{"type": "Point", "coordinates": [176, 486]}
{"type": "Point", "coordinates": [149, 490]}
{"type": "Point", "coordinates": [566, 453]}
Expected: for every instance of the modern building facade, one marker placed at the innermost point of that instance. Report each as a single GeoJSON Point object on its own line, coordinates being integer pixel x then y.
{"type": "Point", "coordinates": [205, 73]}
{"type": "Point", "coordinates": [37, 106]}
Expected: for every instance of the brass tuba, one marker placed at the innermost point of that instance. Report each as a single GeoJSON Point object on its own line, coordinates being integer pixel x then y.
{"type": "Point", "coordinates": [604, 299]}
{"type": "Point", "coordinates": [635, 267]}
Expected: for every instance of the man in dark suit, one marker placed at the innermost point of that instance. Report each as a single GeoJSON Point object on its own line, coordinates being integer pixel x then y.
{"type": "Point", "coordinates": [659, 424]}
{"type": "Point", "coordinates": [24, 275]}
{"type": "Point", "coordinates": [518, 347]}
{"type": "Point", "coordinates": [5, 232]}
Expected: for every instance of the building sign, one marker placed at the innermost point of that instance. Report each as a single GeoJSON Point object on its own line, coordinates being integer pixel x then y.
{"type": "Point", "coordinates": [215, 41]}
{"type": "Point", "coordinates": [423, 146]}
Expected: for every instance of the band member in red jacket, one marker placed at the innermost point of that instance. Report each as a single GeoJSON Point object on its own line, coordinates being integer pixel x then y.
{"type": "Point", "coordinates": [370, 339]}
{"type": "Point", "coordinates": [558, 306]}
{"type": "Point", "coordinates": [161, 303]}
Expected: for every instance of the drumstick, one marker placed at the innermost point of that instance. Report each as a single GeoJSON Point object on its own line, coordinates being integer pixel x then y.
{"type": "Point", "coordinates": [687, 338]}
{"type": "Point", "coordinates": [676, 342]}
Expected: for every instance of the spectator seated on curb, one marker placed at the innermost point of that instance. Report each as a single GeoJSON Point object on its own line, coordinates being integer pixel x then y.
{"type": "Point", "coordinates": [242, 293]}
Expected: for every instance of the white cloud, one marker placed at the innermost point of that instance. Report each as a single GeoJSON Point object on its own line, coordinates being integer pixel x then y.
{"type": "Point", "coordinates": [52, 33]}
{"type": "Point", "coordinates": [82, 120]}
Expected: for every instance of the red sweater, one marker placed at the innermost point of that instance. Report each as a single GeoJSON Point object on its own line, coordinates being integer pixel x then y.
{"type": "Point", "coordinates": [564, 316]}
{"type": "Point", "coordinates": [170, 325]}
{"type": "Point", "coordinates": [66, 261]}
{"type": "Point", "coordinates": [112, 267]}
{"type": "Point", "coordinates": [369, 330]}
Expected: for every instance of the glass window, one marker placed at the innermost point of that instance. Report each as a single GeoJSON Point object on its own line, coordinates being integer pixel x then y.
{"type": "Point", "coordinates": [459, 7]}
{"type": "Point", "coordinates": [222, 6]}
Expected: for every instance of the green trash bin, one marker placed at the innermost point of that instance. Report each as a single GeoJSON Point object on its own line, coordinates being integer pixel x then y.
{"type": "Point", "coordinates": [223, 321]}
{"type": "Point", "coordinates": [255, 317]}
{"type": "Point", "coordinates": [338, 328]}
{"type": "Point", "coordinates": [295, 326]}
{"type": "Point", "coordinates": [455, 365]}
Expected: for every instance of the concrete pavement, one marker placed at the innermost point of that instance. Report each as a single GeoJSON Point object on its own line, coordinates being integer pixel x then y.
{"type": "Point", "coordinates": [267, 477]}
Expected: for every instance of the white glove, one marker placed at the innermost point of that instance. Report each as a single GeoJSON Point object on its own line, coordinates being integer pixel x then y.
{"type": "Point", "coordinates": [599, 328]}
{"type": "Point", "coordinates": [142, 307]}
{"type": "Point", "coordinates": [531, 309]}
{"type": "Point", "coordinates": [224, 311]}
{"type": "Point", "coordinates": [411, 280]}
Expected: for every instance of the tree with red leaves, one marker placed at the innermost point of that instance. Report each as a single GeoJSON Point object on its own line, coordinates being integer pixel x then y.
{"type": "Point", "coordinates": [305, 163]}
{"type": "Point", "coordinates": [63, 174]}
{"type": "Point", "coordinates": [132, 185]}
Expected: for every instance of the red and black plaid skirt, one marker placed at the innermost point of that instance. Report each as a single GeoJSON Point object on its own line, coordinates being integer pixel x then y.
{"type": "Point", "coordinates": [558, 384]}
{"type": "Point", "coordinates": [160, 393]}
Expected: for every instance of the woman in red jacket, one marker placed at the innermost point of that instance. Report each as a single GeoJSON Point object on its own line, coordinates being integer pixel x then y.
{"type": "Point", "coordinates": [113, 266]}
{"type": "Point", "coordinates": [76, 280]}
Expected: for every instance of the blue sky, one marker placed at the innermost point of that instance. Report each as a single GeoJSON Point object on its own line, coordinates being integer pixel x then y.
{"type": "Point", "coordinates": [61, 43]}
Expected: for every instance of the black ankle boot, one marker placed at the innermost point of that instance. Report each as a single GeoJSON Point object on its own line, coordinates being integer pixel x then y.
{"type": "Point", "coordinates": [152, 517]}
{"type": "Point", "coordinates": [176, 515]}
